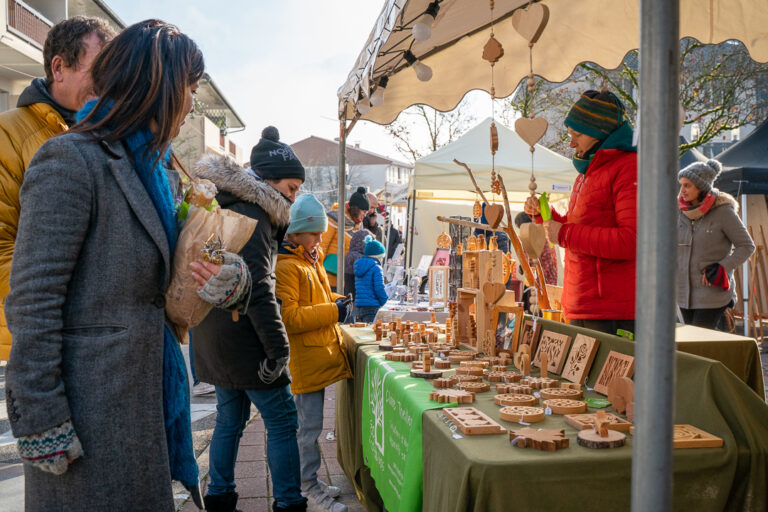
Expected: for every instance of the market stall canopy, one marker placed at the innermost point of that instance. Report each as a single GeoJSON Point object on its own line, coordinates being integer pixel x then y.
{"type": "Point", "coordinates": [600, 31]}
{"type": "Point", "coordinates": [745, 164]}
{"type": "Point", "coordinates": [438, 171]}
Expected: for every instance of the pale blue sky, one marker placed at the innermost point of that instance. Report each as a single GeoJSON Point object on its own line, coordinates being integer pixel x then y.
{"type": "Point", "coordinates": [278, 62]}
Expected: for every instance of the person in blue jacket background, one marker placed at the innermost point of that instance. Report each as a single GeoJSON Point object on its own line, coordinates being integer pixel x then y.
{"type": "Point", "coordinates": [370, 294]}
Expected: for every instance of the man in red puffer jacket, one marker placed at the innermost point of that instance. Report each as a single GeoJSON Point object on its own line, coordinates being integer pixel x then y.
{"type": "Point", "coordinates": [599, 232]}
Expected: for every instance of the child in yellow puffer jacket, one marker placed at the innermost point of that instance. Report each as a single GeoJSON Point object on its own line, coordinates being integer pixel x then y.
{"type": "Point", "coordinates": [318, 358]}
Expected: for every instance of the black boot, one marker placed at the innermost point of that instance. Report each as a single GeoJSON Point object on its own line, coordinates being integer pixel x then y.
{"type": "Point", "coordinates": [299, 507]}
{"type": "Point", "coordinates": [221, 502]}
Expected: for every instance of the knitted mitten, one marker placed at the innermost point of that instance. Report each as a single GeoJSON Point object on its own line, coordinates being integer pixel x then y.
{"type": "Point", "coordinates": [717, 276]}
{"type": "Point", "coordinates": [51, 450]}
{"type": "Point", "coordinates": [231, 287]}
{"type": "Point", "coordinates": [271, 369]}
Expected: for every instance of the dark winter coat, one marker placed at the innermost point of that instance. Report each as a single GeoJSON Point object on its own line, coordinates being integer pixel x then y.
{"type": "Point", "coordinates": [87, 313]}
{"type": "Point", "coordinates": [369, 283]}
{"type": "Point", "coordinates": [394, 240]}
{"type": "Point", "coordinates": [599, 234]}
{"type": "Point", "coordinates": [228, 353]}
{"type": "Point", "coordinates": [356, 246]}
{"type": "Point", "coordinates": [717, 237]}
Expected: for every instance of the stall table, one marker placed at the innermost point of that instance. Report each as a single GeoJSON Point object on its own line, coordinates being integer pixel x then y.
{"type": "Point", "coordinates": [391, 311]}
{"type": "Point", "coordinates": [486, 473]}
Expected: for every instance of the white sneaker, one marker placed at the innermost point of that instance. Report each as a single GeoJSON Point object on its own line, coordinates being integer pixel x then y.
{"type": "Point", "coordinates": [330, 490]}
{"type": "Point", "coordinates": [317, 497]}
{"type": "Point", "coordinates": [203, 389]}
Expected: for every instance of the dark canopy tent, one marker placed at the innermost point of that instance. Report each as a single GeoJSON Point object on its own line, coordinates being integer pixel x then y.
{"type": "Point", "coordinates": [745, 164]}
{"type": "Point", "coordinates": [690, 156]}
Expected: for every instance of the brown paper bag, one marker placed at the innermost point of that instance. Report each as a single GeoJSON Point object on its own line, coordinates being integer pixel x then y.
{"type": "Point", "coordinates": [182, 304]}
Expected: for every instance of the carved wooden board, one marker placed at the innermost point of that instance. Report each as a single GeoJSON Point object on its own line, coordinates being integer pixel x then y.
{"type": "Point", "coordinates": [545, 439]}
{"type": "Point", "coordinates": [587, 421]}
{"type": "Point", "coordinates": [448, 396]}
{"type": "Point", "coordinates": [473, 422]}
{"type": "Point", "coordinates": [616, 365]}
{"type": "Point", "coordinates": [580, 359]}
{"type": "Point", "coordinates": [556, 346]}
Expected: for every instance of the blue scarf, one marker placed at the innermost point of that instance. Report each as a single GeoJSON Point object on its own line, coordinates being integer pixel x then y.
{"type": "Point", "coordinates": [176, 409]}
{"type": "Point", "coordinates": [620, 138]}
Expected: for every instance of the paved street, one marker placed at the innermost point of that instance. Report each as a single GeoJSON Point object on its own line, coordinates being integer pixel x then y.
{"type": "Point", "coordinates": [252, 474]}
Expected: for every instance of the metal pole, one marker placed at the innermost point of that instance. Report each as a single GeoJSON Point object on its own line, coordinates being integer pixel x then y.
{"type": "Point", "coordinates": [411, 229]}
{"type": "Point", "coordinates": [745, 273]}
{"type": "Point", "coordinates": [652, 469]}
{"type": "Point", "coordinates": [341, 216]}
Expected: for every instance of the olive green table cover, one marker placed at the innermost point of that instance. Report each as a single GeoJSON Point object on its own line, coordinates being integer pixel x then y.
{"type": "Point", "coordinates": [487, 473]}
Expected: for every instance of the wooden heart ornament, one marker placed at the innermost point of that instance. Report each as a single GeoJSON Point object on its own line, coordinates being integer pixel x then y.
{"type": "Point", "coordinates": [493, 214]}
{"type": "Point", "coordinates": [531, 22]}
{"type": "Point", "coordinates": [533, 238]}
{"type": "Point", "coordinates": [493, 292]}
{"type": "Point", "coordinates": [531, 130]}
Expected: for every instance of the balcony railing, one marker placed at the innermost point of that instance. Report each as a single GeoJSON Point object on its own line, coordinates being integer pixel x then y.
{"type": "Point", "coordinates": [27, 22]}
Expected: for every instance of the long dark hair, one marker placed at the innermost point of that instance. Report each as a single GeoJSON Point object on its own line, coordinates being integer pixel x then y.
{"type": "Point", "coordinates": [145, 71]}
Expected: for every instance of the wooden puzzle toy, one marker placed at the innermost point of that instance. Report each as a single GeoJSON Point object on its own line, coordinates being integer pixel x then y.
{"type": "Point", "coordinates": [469, 370]}
{"type": "Point", "coordinates": [587, 421]}
{"type": "Point", "coordinates": [539, 382]}
{"type": "Point", "coordinates": [565, 406]}
{"type": "Point", "coordinates": [502, 376]}
{"type": "Point", "coordinates": [475, 387]}
{"type": "Point", "coordinates": [449, 396]}
{"type": "Point", "coordinates": [514, 388]}
{"type": "Point", "coordinates": [445, 382]}
{"type": "Point", "coordinates": [473, 422]}
{"type": "Point", "coordinates": [515, 399]}
{"type": "Point", "coordinates": [573, 394]}
{"type": "Point", "coordinates": [405, 357]}
{"type": "Point", "coordinates": [426, 371]}
{"type": "Point", "coordinates": [600, 436]}
{"type": "Point", "coordinates": [522, 413]}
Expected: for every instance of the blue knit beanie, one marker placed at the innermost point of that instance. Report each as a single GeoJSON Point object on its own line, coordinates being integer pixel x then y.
{"type": "Point", "coordinates": [307, 216]}
{"type": "Point", "coordinates": [374, 248]}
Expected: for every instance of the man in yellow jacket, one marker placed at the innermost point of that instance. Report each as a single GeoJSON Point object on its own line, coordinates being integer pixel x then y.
{"type": "Point", "coordinates": [45, 108]}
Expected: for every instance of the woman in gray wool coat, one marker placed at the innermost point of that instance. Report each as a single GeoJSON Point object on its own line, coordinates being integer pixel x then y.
{"type": "Point", "coordinates": [97, 390]}
{"type": "Point", "coordinates": [712, 242]}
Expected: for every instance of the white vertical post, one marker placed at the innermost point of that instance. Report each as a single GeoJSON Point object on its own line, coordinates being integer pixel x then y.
{"type": "Point", "coordinates": [745, 273]}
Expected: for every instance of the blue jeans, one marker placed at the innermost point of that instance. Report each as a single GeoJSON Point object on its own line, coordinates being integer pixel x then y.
{"type": "Point", "coordinates": [279, 413]}
{"type": "Point", "coordinates": [309, 407]}
{"type": "Point", "coordinates": [366, 313]}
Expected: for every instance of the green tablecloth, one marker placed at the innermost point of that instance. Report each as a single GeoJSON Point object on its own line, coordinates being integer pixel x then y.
{"type": "Point", "coordinates": [486, 473]}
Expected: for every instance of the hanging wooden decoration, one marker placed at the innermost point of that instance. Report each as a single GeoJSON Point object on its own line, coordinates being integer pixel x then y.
{"type": "Point", "coordinates": [444, 241]}
{"type": "Point", "coordinates": [531, 21]}
{"type": "Point", "coordinates": [477, 210]}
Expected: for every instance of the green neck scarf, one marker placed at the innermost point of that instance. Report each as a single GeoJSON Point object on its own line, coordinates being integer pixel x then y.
{"type": "Point", "coordinates": [620, 138]}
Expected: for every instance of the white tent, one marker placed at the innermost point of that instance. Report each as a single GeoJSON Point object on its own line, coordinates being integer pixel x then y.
{"type": "Point", "coordinates": [439, 185]}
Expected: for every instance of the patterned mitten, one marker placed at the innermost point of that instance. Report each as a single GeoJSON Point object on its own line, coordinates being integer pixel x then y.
{"type": "Point", "coordinates": [717, 276]}
{"type": "Point", "coordinates": [270, 370]}
{"type": "Point", "coordinates": [51, 450]}
{"type": "Point", "coordinates": [230, 286]}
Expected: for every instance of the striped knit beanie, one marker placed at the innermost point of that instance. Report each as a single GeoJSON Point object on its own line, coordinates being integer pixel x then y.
{"type": "Point", "coordinates": [596, 114]}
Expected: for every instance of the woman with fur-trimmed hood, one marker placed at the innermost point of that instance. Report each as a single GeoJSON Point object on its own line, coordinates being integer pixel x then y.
{"type": "Point", "coordinates": [712, 242]}
{"type": "Point", "coordinates": [247, 359]}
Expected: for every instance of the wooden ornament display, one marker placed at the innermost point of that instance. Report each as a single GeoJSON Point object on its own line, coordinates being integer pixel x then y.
{"type": "Point", "coordinates": [531, 130]}
{"type": "Point", "coordinates": [514, 388]}
{"type": "Point", "coordinates": [473, 422]}
{"type": "Point", "coordinates": [531, 21]}
{"type": "Point", "coordinates": [621, 394]}
{"type": "Point", "coordinates": [468, 378]}
{"type": "Point", "coordinates": [522, 413]}
{"type": "Point", "coordinates": [580, 358]}
{"type": "Point", "coordinates": [565, 406]}
{"type": "Point", "coordinates": [572, 394]}
{"type": "Point", "coordinates": [444, 241]}
{"type": "Point", "coordinates": [534, 238]}
{"type": "Point", "coordinates": [587, 421]}
{"type": "Point", "coordinates": [515, 399]}
{"type": "Point", "coordinates": [493, 51]}
{"type": "Point", "coordinates": [438, 284]}
{"type": "Point", "coordinates": [556, 346]}
{"type": "Point", "coordinates": [548, 440]}
{"type": "Point", "coordinates": [450, 396]}
{"type": "Point", "coordinates": [502, 376]}
{"type": "Point", "coordinates": [616, 365]}
{"type": "Point", "coordinates": [477, 212]}
{"type": "Point", "coordinates": [474, 387]}
{"type": "Point", "coordinates": [493, 214]}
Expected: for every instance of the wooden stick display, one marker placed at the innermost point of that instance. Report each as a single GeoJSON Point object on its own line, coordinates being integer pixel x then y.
{"type": "Point", "coordinates": [473, 422]}
{"type": "Point", "coordinates": [548, 440]}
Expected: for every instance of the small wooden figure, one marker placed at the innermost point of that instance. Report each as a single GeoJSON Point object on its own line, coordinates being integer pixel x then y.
{"type": "Point", "coordinates": [546, 440]}
{"type": "Point", "coordinates": [522, 413]}
{"type": "Point", "coordinates": [616, 365]}
{"type": "Point", "coordinates": [525, 362]}
{"type": "Point", "coordinates": [473, 422]}
{"type": "Point", "coordinates": [426, 372]}
{"type": "Point", "coordinates": [600, 436]}
{"type": "Point", "coordinates": [621, 393]}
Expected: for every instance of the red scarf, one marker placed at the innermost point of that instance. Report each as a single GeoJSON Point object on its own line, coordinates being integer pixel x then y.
{"type": "Point", "coordinates": [694, 212]}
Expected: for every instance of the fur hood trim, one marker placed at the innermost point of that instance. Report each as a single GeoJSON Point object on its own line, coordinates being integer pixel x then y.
{"type": "Point", "coordinates": [230, 177]}
{"type": "Point", "coordinates": [724, 198]}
